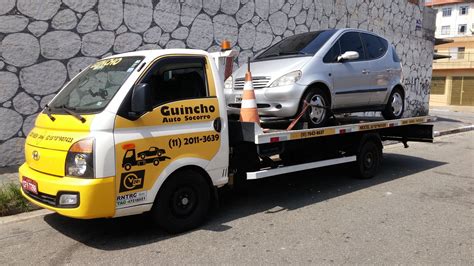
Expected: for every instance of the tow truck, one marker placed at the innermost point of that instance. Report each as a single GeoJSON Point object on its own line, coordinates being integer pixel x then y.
{"type": "Point", "coordinates": [174, 99]}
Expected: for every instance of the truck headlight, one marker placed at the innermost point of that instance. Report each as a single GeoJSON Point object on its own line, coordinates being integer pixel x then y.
{"type": "Point", "coordinates": [228, 83]}
{"type": "Point", "coordinates": [287, 79]}
{"type": "Point", "coordinates": [80, 159]}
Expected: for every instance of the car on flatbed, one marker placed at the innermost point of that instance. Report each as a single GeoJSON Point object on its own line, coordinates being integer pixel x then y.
{"type": "Point", "coordinates": [334, 70]}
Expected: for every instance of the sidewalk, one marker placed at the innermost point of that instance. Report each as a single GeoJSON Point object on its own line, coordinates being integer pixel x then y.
{"type": "Point", "coordinates": [451, 119]}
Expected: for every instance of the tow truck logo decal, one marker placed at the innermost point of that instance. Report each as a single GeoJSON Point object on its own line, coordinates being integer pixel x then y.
{"type": "Point", "coordinates": [153, 155]}
{"type": "Point", "coordinates": [132, 180]}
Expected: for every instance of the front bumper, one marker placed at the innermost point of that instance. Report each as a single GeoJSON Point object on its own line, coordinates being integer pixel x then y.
{"type": "Point", "coordinates": [275, 102]}
{"type": "Point", "coordinates": [96, 196]}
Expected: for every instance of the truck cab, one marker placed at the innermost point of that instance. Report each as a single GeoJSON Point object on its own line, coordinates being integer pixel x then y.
{"type": "Point", "coordinates": [90, 152]}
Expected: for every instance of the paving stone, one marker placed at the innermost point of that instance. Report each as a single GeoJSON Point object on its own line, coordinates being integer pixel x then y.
{"type": "Point", "coordinates": [43, 78]}
{"type": "Point", "coordinates": [60, 44]}
{"type": "Point", "coordinates": [230, 7]}
{"type": "Point", "coordinates": [278, 22]}
{"type": "Point", "coordinates": [166, 15]}
{"type": "Point", "coordinates": [149, 46]}
{"type": "Point", "coordinates": [8, 85]}
{"type": "Point", "coordinates": [296, 8]}
{"type": "Point", "coordinates": [175, 44]}
{"type": "Point", "coordinates": [201, 34]}
{"type": "Point", "coordinates": [152, 35]}
{"type": "Point", "coordinates": [38, 9]}
{"type": "Point", "coordinates": [121, 29]}
{"type": "Point", "coordinates": [13, 23]}
{"type": "Point", "coordinates": [262, 8]}
{"type": "Point", "coordinates": [20, 49]}
{"type": "Point", "coordinates": [301, 18]}
{"type": "Point", "coordinates": [11, 123]}
{"type": "Point", "coordinates": [246, 13]}
{"type": "Point", "coordinates": [127, 42]}
{"type": "Point", "coordinates": [211, 6]}
{"type": "Point", "coordinates": [80, 5]}
{"type": "Point", "coordinates": [11, 151]}
{"type": "Point", "coordinates": [247, 36]}
{"type": "Point", "coordinates": [110, 14]}
{"type": "Point", "coordinates": [88, 23]}
{"type": "Point", "coordinates": [25, 104]}
{"type": "Point", "coordinates": [276, 5]}
{"type": "Point", "coordinates": [64, 20]}
{"type": "Point", "coordinates": [37, 28]}
{"type": "Point", "coordinates": [29, 124]}
{"type": "Point", "coordinates": [138, 14]}
{"type": "Point", "coordinates": [6, 6]}
{"type": "Point", "coordinates": [97, 43]}
{"type": "Point", "coordinates": [180, 33]}
{"type": "Point", "coordinates": [189, 10]}
{"type": "Point", "coordinates": [225, 27]}
{"type": "Point", "coordinates": [165, 37]}
{"type": "Point", "coordinates": [263, 37]}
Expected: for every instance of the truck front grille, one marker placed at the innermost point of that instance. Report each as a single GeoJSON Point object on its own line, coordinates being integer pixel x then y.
{"type": "Point", "coordinates": [258, 82]}
{"type": "Point", "coordinates": [42, 197]}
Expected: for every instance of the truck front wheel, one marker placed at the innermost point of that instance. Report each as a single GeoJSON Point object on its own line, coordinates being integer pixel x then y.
{"type": "Point", "coordinates": [183, 202]}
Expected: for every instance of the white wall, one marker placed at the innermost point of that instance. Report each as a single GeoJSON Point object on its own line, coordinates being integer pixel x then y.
{"type": "Point", "coordinates": [454, 20]}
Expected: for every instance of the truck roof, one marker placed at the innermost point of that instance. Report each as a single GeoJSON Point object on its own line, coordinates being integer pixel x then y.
{"type": "Point", "coordinates": [160, 52]}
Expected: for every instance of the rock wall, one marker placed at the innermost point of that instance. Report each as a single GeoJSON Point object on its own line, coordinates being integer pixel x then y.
{"type": "Point", "coordinates": [43, 43]}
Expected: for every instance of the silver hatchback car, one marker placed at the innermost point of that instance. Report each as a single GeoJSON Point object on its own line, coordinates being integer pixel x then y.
{"type": "Point", "coordinates": [334, 71]}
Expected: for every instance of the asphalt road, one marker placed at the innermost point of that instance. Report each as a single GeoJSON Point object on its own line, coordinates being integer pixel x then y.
{"type": "Point", "coordinates": [419, 209]}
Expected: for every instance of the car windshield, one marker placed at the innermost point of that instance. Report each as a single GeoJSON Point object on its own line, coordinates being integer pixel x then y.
{"type": "Point", "coordinates": [94, 87]}
{"type": "Point", "coordinates": [305, 44]}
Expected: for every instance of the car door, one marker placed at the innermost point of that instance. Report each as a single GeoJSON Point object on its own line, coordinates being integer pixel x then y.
{"type": "Point", "coordinates": [182, 129]}
{"type": "Point", "coordinates": [351, 79]}
{"type": "Point", "coordinates": [379, 70]}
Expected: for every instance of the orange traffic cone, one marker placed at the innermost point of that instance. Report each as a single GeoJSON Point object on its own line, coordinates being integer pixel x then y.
{"type": "Point", "coordinates": [248, 109]}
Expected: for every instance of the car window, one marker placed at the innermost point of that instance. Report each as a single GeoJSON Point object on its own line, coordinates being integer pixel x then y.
{"type": "Point", "coordinates": [177, 78]}
{"type": "Point", "coordinates": [375, 46]}
{"type": "Point", "coordinates": [333, 53]}
{"type": "Point", "coordinates": [351, 42]}
{"type": "Point", "coordinates": [303, 44]}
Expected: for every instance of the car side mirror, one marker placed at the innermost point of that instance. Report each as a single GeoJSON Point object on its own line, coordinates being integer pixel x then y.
{"type": "Point", "coordinates": [349, 55]}
{"type": "Point", "coordinates": [142, 99]}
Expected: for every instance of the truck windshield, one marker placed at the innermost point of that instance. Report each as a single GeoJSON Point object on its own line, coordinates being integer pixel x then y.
{"type": "Point", "coordinates": [305, 44]}
{"type": "Point", "coordinates": [94, 87]}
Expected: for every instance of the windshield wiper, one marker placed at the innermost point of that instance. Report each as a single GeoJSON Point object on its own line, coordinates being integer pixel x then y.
{"type": "Point", "coordinates": [47, 111]}
{"type": "Point", "coordinates": [71, 112]}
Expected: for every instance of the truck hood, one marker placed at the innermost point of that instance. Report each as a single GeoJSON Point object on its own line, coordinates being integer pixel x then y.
{"type": "Point", "coordinates": [273, 68]}
{"type": "Point", "coordinates": [48, 142]}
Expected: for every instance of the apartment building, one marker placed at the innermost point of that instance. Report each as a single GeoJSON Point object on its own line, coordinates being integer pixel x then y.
{"type": "Point", "coordinates": [453, 76]}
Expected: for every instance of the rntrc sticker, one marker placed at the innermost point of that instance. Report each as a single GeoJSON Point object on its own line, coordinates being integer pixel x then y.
{"type": "Point", "coordinates": [132, 180]}
{"type": "Point", "coordinates": [132, 198]}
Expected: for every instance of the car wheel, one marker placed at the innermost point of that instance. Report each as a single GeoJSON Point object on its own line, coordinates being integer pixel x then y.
{"type": "Point", "coordinates": [395, 105]}
{"type": "Point", "coordinates": [183, 202]}
{"type": "Point", "coordinates": [368, 160]}
{"type": "Point", "coordinates": [142, 156]}
{"type": "Point", "coordinates": [314, 115]}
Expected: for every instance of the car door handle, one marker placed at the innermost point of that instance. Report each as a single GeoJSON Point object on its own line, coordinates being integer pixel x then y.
{"type": "Point", "coordinates": [365, 71]}
{"type": "Point", "coordinates": [389, 70]}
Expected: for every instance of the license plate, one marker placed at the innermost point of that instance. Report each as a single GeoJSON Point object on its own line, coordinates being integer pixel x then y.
{"type": "Point", "coordinates": [30, 185]}
{"type": "Point", "coordinates": [238, 99]}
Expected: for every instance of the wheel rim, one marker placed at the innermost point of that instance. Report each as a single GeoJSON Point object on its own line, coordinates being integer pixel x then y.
{"type": "Point", "coordinates": [317, 114]}
{"type": "Point", "coordinates": [368, 161]}
{"type": "Point", "coordinates": [397, 104]}
{"type": "Point", "coordinates": [184, 201]}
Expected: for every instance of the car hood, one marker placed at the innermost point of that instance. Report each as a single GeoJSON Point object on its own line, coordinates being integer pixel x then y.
{"type": "Point", "coordinates": [273, 68]}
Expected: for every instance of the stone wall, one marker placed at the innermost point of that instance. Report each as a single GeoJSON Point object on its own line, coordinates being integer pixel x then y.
{"type": "Point", "coordinates": [43, 43]}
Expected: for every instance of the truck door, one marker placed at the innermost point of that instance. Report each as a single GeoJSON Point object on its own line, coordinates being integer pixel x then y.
{"type": "Point", "coordinates": [184, 128]}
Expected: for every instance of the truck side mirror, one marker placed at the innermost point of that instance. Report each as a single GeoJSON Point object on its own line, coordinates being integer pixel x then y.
{"type": "Point", "coordinates": [349, 55]}
{"type": "Point", "coordinates": [142, 99]}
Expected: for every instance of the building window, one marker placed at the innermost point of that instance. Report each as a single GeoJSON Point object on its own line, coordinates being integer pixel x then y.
{"type": "Point", "coordinates": [438, 85]}
{"type": "Point", "coordinates": [462, 29]}
{"type": "Point", "coordinates": [461, 51]}
{"type": "Point", "coordinates": [463, 10]}
{"type": "Point", "coordinates": [445, 30]}
{"type": "Point", "coordinates": [447, 12]}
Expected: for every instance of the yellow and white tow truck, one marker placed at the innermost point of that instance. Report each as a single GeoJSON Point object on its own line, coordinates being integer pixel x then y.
{"type": "Point", "coordinates": [149, 131]}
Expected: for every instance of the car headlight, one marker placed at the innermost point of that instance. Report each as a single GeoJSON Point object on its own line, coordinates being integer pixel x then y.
{"type": "Point", "coordinates": [80, 159]}
{"type": "Point", "coordinates": [228, 83]}
{"type": "Point", "coordinates": [287, 79]}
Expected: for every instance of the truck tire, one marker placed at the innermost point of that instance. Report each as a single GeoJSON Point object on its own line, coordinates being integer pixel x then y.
{"type": "Point", "coordinates": [369, 158]}
{"type": "Point", "coordinates": [395, 105]}
{"type": "Point", "coordinates": [316, 117]}
{"type": "Point", "coordinates": [183, 202]}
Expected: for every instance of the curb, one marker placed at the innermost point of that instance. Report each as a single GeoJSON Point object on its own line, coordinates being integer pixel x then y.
{"type": "Point", "coordinates": [453, 131]}
{"type": "Point", "coordinates": [24, 216]}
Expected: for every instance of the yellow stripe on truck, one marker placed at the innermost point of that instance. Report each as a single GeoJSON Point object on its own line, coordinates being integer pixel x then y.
{"type": "Point", "coordinates": [96, 195]}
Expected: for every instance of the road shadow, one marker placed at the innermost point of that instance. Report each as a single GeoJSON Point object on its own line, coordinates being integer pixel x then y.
{"type": "Point", "coordinates": [270, 196]}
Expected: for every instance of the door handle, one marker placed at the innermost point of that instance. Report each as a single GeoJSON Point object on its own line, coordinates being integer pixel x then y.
{"type": "Point", "coordinates": [365, 71]}
{"type": "Point", "coordinates": [217, 124]}
{"type": "Point", "coordinates": [389, 70]}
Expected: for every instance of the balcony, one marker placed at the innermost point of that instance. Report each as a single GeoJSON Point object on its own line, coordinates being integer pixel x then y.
{"type": "Point", "coordinates": [457, 61]}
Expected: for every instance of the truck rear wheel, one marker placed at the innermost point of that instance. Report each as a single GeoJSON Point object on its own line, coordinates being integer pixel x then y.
{"type": "Point", "coordinates": [183, 202]}
{"type": "Point", "coordinates": [369, 158]}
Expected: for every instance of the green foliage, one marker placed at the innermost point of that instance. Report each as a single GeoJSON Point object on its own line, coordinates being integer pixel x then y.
{"type": "Point", "coordinates": [11, 200]}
